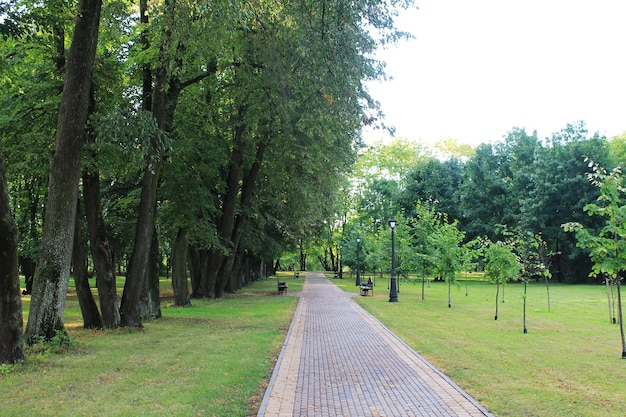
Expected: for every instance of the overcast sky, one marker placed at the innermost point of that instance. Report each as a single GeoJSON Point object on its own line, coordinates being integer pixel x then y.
{"type": "Point", "coordinates": [476, 69]}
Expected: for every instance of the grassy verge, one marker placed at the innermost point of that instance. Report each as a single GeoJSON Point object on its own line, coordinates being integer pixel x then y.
{"type": "Point", "coordinates": [567, 365]}
{"type": "Point", "coordinates": [210, 359]}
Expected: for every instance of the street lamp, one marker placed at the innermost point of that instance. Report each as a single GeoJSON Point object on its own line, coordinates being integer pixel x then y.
{"type": "Point", "coordinates": [340, 265]}
{"type": "Point", "coordinates": [358, 261]}
{"type": "Point", "coordinates": [393, 291]}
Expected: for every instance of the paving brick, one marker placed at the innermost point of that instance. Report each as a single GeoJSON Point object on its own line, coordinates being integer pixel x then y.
{"type": "Point", "coordinates": [338, 360]}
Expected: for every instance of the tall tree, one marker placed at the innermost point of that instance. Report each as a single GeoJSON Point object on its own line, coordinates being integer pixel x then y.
{"type": "Point", "coordinates": [33, 54]}
{"type": "Point", "coordinates": [53, 266]}
{"type": "Point", "coordinates": [559, 193]}
{"type": "Point", "coordinates": [484, 194]}
{"type": "Point", "coordinates": [172, 50]}
{"type": "Point", "coordinates": [434, 182]}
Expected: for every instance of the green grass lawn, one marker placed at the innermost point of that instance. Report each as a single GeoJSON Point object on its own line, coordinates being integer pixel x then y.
{"type": "Point", "coordinates": [211, 359]}
{"type": "Point", "coordinates": [568, 364]}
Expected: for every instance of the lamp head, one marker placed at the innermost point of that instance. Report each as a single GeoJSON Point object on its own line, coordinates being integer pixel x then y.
{"type": "Point", "coordinates": [392, 222]}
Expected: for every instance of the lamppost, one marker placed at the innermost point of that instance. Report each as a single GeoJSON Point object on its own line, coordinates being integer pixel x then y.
{"type": "Point", "coordinates": [340, 265]}
{"type": "Point", "coordinates": [358, 261]}
{"type": "Point", "coordinates": [393, 291]}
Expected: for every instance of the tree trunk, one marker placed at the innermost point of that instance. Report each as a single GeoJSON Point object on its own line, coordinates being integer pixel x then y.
{"type": "Point", "coordinates": [247, 193]}
{"type": "Point", "coordinates": [166, 95]}
{"type": "Point", "coordinates": [497, 295]}
{"type": "Point", "coordinates": [609, 297]}
{"type": "Point", "coordinates": [179, 269]}
{"type": "Point", "coordinates": [620, 316]}
{"type": "Point", "coordinates": [138, 265]}
{"type": "Point", "coordinates": [11, 321]}
{"type": "Point", "coordinates": [101, 251]}
{"type": "Point", "coordinates": [195, 271]}
{"type": "Point", "coordinates": [229, 210]}
{"type": "Point", "coordinates": [88, 307]}
{"type": "Point", "coordinates": [53, 267]}
{"type": "Point", "coordinates": [209, 279]}
{"type": "Point", "coordinates": [150, 296]}
{"type": "Point", "coordinates": [302, 257]}
{"type": "Point", "coordinates": [27, 265]}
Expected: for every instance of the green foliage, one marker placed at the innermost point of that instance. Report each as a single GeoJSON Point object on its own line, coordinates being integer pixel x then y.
{"type": "Point", "coordinates": [433, 182]}
{"type": "Point", "coordinates": [607, 246]}
{"type": "Point", "coordinates": [501, 263]}
{"type": "Point", "coordinates": [6, 369]}
{"type": "Point", "coordinates": [125, 138]}
{"type": "Point", "coordinates": [617, 150]}
{"type": "Point", "coordinates": [60, 343]}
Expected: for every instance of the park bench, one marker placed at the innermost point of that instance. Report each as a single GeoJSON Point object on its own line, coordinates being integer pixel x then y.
{"type": "Point", "coordinates": [282, 287]}
{"type": "Point", "coordinates": [366, 288]}
{"type": "Point", "coordinates": [296, 274]}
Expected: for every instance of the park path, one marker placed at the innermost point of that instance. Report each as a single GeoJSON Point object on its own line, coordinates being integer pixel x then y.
{"type": "Point", "coordinates": [338, 360]}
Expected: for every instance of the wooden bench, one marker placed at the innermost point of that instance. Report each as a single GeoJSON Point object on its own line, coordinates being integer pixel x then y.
{"type": "Point", "coordinates": [366, 288]}
{"type": "Point", "coordinates": [282, 287]}
{"type": "Point", "coordinates": [296, 274]}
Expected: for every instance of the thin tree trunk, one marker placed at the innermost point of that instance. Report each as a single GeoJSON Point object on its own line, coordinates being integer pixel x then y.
{"type": "Point", "coordinates": [497, 294]}
{"type": "Point", "coordinates": [620, 316]}
{"type": "Point", "coordinates": [28, 263]}
{"type": "Point", "coordinates": [88, 307]}
{"type": "Point", "coordinates": [179, 269]}
{"type": "Point", "coordinates": [303, 257]}
{"type": "Point", "coordinates": [11, 321]}
{"type": "Point", "coordinates": [525, 293]}
{"type": "Point", "coordinates": [607, 281]}
{"type": "Point", "coordinates": [53, 267]}
{"type": "Point", "coordinates": [547, 290]}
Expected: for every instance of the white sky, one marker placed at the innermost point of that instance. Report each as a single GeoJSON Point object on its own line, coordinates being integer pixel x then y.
{"type": "Point", "coordinates": [476, 69]}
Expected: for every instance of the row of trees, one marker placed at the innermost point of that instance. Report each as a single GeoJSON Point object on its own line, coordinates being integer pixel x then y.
{"type": "Point", "coordinates": [211, 131]}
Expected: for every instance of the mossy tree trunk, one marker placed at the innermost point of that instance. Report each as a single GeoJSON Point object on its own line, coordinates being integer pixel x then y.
{"type": "Point", "coordinates": [53, 266]}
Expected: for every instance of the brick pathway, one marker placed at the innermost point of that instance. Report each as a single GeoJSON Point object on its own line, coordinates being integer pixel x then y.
{"type": "Point", "coordinates": [338, 360]}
